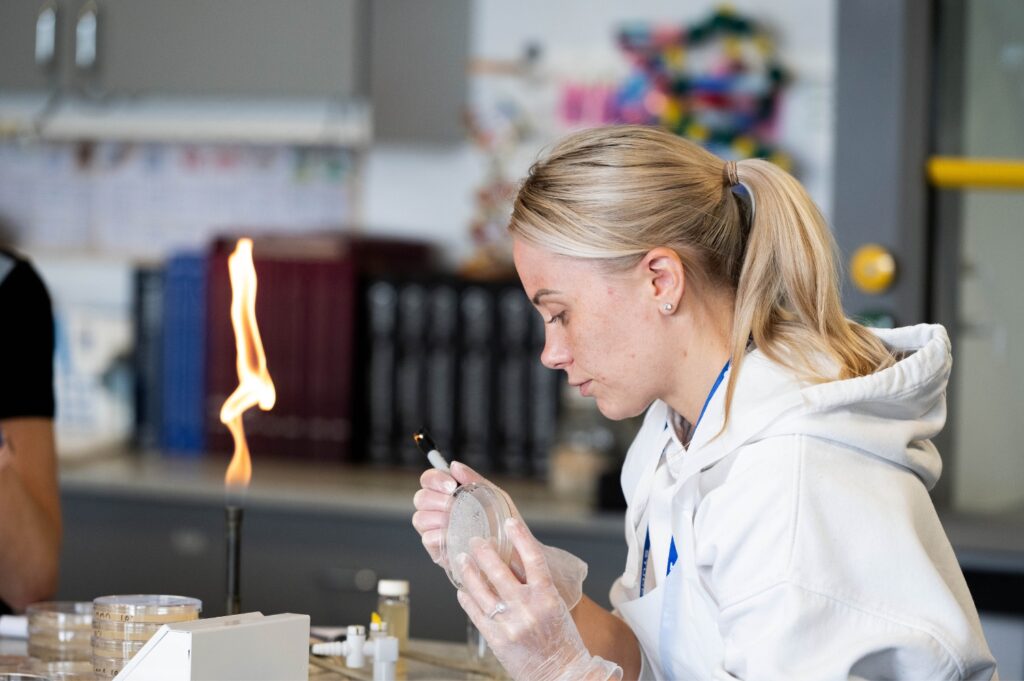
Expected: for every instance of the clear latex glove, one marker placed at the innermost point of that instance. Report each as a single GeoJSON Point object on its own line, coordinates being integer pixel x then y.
{"type": "Point", "coordinates": [432, 503]}
{"type": "Point", "coordinates": [525, 620]}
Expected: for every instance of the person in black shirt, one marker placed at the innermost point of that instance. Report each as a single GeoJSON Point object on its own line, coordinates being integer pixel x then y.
{"type": "Point", "coordinates": [30, 523]}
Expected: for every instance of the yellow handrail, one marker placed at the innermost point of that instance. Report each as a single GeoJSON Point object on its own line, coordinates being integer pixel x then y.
{"type": "Point", "coordinates": [955, 172]}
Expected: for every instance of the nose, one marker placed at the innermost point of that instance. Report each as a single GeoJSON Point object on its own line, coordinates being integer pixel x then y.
{"type": "Point", "coordinates": [556, 354]}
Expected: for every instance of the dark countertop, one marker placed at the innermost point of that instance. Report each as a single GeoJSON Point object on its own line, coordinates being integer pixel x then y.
{"type": "Point", "coordinates": [981, 541]}
{"type": "Point", "coordinates": [317, 487]}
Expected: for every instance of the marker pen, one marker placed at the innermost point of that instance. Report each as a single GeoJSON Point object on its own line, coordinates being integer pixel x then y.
{"type": "Point", "coordinates": [427, 446]}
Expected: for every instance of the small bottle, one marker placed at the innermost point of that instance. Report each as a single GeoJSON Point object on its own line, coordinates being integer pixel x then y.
{"type": "Point", "coordinates": [393, 606]}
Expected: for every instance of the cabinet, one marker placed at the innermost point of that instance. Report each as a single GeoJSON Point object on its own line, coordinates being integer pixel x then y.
{"type": "Point", "coordinates": [19, 71]}
{"type": "Point", "coordinates": [407, 57]}
{"type": "Point", "coordinates": [228, 48]}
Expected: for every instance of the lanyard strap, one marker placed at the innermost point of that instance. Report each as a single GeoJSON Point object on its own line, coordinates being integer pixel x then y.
{"type": "Point", "coordinates": [673, 555]}
{"type": "Point", "coordinates": [718, 382]}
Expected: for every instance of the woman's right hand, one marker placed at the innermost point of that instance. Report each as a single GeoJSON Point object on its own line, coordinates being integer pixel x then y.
{"type": "Point", "coordinates": [433, 502]}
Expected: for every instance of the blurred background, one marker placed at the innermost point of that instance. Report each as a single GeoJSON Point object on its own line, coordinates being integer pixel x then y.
{"type": "Point", "coordinates": [371, 149]}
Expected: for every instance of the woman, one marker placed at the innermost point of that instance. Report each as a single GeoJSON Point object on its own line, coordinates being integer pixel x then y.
{"type": "Point", "coordinates": [30, 523]}
{"type": "Point", "coordinates": [778, 524]}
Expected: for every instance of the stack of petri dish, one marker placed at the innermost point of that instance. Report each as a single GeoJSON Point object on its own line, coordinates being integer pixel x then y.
{"type": "Point", "coordinates": [60, 631]}
{"type": "Point", "coordinates": [121, 625]}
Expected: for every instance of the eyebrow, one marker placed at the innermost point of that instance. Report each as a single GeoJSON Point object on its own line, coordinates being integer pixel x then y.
{"type": "Point", "coordinates": [541, 293]}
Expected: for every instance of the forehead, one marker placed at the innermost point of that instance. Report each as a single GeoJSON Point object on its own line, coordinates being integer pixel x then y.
{"type": "Point", "coordinates": [539, 269]}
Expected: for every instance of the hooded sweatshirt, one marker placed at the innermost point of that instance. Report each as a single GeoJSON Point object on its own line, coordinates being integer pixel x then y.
{"type": "Point", "coordinates": [800, 542]}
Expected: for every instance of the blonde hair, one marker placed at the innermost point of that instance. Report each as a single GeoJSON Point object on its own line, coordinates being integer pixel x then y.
{"type": "Point", "coordinates": [612, 194]}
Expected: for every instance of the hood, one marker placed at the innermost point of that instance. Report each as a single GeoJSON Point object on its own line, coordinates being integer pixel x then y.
{"type": "Point", "coordinates": [892, 414]}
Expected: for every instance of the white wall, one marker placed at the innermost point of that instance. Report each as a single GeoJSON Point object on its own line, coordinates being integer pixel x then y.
{"type": "Point", "coordinates": [430, 191]}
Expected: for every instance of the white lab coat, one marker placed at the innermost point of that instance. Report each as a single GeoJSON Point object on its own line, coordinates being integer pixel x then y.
{"type": "Point", "coordinates": [808, 547]}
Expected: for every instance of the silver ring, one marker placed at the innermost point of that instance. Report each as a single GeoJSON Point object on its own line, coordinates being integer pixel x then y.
{"type": "Point", "coordinates": [499, 608]}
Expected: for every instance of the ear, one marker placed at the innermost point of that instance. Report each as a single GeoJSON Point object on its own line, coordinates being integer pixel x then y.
{"type": "Point", "coordinates": [665, 277]}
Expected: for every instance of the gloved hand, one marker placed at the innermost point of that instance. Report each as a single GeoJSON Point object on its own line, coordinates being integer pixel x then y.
{"type": "Point", "coordinates": [526, 622]}
{"type": "Point", "coordinates": [431, 517]}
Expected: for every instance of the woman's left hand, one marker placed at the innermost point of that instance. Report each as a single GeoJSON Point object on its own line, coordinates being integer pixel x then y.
{"type": "Point", "coordinates": [527, 624]}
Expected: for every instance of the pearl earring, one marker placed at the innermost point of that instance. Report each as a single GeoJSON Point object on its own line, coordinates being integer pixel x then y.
{"type": "Point", "coordinates": [667, 307]}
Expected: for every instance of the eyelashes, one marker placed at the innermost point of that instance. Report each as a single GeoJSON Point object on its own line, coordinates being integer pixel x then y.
{"type": "Point", "coordinates": [557, 319]}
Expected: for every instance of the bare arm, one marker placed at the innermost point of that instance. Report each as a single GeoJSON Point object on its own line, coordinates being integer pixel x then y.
{"type": "Point", "coordinates": [608, 636]}
{"type": "Point", "coordinates": [30, 524]}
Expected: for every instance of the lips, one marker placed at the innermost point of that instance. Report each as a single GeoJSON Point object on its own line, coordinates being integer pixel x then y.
{"type": "Point", "coordinates": [584, 388]}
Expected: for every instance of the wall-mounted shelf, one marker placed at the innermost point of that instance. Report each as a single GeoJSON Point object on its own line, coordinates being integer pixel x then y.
{"type": "Point", "coordinates": [260, 121]}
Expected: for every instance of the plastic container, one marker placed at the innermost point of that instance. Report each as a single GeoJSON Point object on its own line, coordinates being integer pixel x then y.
{"type": "Point", "coordinates": [476, 510]}
{"type": "Point", "coordinates": [393, 608]}
{"type": "Point", "coordinates": [146, 608]}
{"type": "Point", "coordinates": [107, 667]}
{"type": "Point", "coordinates": [67, 670]}
{"type": "Point", "coordinates": [124, 650]}
{"type": "Point", "coordinates": [59, 630]}
{"type": "Point", "coordinates": [124, 631]}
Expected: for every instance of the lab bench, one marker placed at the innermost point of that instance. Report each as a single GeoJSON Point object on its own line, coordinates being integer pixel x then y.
{"type": "Point", "coordinates": [315, 538]}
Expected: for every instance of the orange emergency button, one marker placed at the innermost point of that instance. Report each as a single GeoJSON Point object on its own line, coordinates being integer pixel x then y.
{"type": "Point", "coordinates": [873, 268]}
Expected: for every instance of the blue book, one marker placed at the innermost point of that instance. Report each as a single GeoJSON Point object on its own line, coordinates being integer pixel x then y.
{"type": "Point", "coordinates": [184, 370]}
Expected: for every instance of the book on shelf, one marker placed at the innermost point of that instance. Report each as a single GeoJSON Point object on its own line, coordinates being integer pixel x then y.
{"type": "Point", "coordinates": [476, 431]}
{"type": "Point", "coordinates": [148, 355]}
{"type": "Point", "coordinates": [184, 355]}
{"type": "Point", "coordinates": [461, 358]}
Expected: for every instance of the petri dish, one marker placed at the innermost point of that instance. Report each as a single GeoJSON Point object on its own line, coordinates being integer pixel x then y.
{"type": "Point", "coordinates": [124, 650]}
{"type": "Point", "coordinates": [107, 667]}
{"type": "Point", "coordinates": [146, 608]}
{"type": "Point", "coordinates": [62, 671]}
{"type": "Point", "coordinates": [475, 510]}
{"type": "Point", "coordinates": [59, 630]}
{"type": "Point", "coordinates": [113, 630]}
{"type": "Point", "coordinates": [59, 615]}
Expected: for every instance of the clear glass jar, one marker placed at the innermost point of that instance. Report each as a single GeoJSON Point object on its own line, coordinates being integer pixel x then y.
{"type": "Point", "coordinates": [393, 608]}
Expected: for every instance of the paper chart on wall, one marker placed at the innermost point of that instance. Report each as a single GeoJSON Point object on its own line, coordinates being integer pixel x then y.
{"type": "Point", "coordinates": [151, 199]}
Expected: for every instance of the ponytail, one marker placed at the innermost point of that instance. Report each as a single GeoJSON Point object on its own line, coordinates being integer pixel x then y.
{"type": "Point", "coordinates": [787, 297]}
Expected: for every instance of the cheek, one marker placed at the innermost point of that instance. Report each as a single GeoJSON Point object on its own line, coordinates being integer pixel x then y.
{"type": "Point", "coordinates": [614, 346]}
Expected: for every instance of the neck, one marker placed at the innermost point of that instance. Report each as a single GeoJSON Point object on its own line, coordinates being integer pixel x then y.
{"type": "Point", "coordinates": [705, 353]}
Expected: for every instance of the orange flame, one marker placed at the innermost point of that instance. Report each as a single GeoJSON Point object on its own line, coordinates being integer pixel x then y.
{"type": "Point", "coordinates": [254, 383]}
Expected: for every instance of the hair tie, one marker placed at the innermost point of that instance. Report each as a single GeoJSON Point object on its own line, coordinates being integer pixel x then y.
{"type": "Point", "coordinates": [729, 174]}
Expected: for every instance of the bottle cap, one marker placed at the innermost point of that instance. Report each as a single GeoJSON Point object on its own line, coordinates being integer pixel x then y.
{"type": "Point", "coordinates": [393, 587]}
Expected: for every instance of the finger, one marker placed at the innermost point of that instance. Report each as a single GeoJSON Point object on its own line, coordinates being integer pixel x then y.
{"type": "Point", "coordinates": [494, 568]}
{"type": "Point", "coordinates": [432, 543]}
{"type": "Point", "coordinates": [478, 617]}
{"type": "Point", "coordinates": [424, 521]}
{"type": "Point", "coordinates": [439, 481]}
{"type": "Point", "coordinates": [475, 584]}
{"type": "Point", "coordinates": [463, 474]}
{"type": "Point", "coordinates": [429, 500]}
{"type": "Point", "coordinates": [530, 551]}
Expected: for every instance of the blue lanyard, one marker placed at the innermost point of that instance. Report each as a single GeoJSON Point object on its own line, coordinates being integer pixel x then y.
{"type": "Point", "coordinates": [673, 555]}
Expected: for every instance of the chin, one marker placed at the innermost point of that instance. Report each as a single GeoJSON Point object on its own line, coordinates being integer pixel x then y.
{"type": "Point", "coordinates": [617, 411]}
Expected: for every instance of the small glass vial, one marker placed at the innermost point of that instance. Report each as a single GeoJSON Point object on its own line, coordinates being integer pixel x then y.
{"type": "Point", "coordinates": [393, 606]}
